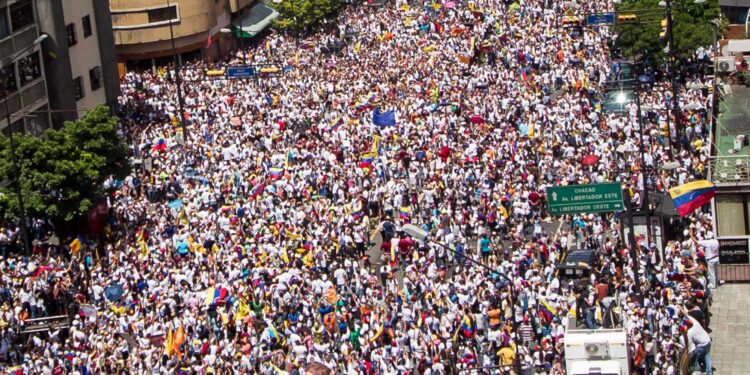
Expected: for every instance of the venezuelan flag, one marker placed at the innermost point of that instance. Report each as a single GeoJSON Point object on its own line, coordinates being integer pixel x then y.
{"type": "Point", "coordinates": [357, 213]}
{"type": "Point", "coordinates": [275, 172]}
{"type": "Point", "coordinates": [257, 190]}
{"type": "Point", "coordinates": [404, 213]}
{"type": "Point", "coordinates": [691, 196]}
{"type": "Point", "coordinates": [214, 295]}
{"type": "Point", "coordinates": [547, 310]}
{"type": "Point", "coordinates": [467, 327]}
{"type": "Point", "coordinates": [159, 145]}
{"type": "Point", "coordinates": [334, 126]}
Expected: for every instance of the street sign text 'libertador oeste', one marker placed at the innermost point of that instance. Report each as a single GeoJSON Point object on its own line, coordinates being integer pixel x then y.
{"type": "Point", "coordinates": [575, 199]}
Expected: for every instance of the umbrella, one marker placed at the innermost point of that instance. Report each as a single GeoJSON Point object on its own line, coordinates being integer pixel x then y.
{"type": "Point", "coordinates": [476, 119]}
{"type": "Point", "coordinates": [450, 4]}
{"type": "Point", "coordinates": [316, 368]}
{"type": "Point", "coordinates": [113, 292]}
{"type": "Point", "coordinates": [646, 78]}
{"type": "Point", "coordinates": [176, 204]}
{"type": "Point", "coordinates": [670, 165]}
{"type": "Point", "coordinates": [235, 121]}
{"type": "Point", "coordinates": [590, 159]}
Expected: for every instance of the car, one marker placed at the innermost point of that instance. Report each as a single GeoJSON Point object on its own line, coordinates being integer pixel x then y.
{"type": "Point", "coordinates": [577, 264]}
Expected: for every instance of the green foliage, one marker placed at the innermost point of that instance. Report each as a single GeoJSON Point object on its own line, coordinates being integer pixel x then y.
{"type": "Point", "coordinates": [692, 27]}
{"type": "Point", "coordinates": [63, 172]}
{"type": "Point", "coordinates": [307, 12]}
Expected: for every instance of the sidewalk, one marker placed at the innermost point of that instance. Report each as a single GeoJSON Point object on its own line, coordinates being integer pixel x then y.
{"type": "Point", "coordinates": [730, 325]}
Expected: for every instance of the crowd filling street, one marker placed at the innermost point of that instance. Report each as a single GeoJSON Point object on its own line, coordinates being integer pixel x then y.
{"type": "Point", "coordinates": [252, 244]}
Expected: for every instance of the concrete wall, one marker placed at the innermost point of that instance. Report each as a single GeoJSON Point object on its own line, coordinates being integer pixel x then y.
{"type": "Point", "coordinates": [56, 57]}
{"type": "Point", "coordinates": [84, 55]}
{"type": "Point", "coordinates": [107, 53]}
{"type": "Point", "coordinates": [197, 19]}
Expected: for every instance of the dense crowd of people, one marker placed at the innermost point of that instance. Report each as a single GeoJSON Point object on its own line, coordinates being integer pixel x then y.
{"type": "Point", "coordinates": [252, 244]}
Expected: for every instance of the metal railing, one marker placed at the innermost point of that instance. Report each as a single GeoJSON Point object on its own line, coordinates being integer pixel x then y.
{"type": "Point", "coordinates": [17, 41]}
{"type": "Point", "coordinates": [730, 169]}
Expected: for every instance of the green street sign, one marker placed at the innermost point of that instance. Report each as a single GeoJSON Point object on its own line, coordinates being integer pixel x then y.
{"type": "Point", "coordinates": [575, 199]}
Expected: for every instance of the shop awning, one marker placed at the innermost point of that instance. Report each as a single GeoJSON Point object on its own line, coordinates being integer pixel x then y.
{"type": "Point", "coordinates": [259, 17]}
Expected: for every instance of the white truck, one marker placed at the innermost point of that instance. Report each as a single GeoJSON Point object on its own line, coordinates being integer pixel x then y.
{"type": "Point", "coordinates": [596, 351]}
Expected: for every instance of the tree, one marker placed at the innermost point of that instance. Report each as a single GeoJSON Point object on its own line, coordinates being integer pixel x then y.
{"type": "Point", "coordinates": [692, 27]}
{"type": "Point", "coordinates": [307, 12]}
{"type": "Point", "coordinates": [63, 173]}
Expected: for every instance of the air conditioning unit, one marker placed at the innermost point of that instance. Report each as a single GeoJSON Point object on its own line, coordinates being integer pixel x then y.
{"type": "Point", "coordinates": [739, 141]}
{"type": "Point", "coordinates": [726, 64]}
{"type": "Point", "coordinates": [596, 350]}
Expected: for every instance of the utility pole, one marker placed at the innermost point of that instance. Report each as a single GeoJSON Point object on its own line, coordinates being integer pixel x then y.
{"type": "Point", "coordinates": [634, 251]}
{"type": "Point", "coordinates": [646, 206]}
{"type": "Point", "coordinates": [17, 183]}
{"type": "Point", "coordinates": [14, 157]}
{"type": "Point", "coordinates": [671, 62]}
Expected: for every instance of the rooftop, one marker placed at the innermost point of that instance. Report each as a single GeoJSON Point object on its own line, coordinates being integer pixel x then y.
{"type": "Point", "coordinates": [732, 160]}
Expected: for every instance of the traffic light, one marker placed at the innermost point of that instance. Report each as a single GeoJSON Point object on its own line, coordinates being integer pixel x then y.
{"type": "Point", "coordinates": [663, 33]}
{"type": "Point", "coordinates": [626, 18]}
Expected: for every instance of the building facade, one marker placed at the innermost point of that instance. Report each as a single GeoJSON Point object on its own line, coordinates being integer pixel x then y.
{"type": "Point", "coordinates": [72, 70]}
{"type": "Point", "coordinates": [148, 33]}
{"type": "Point", "coordinates": [23, 88]}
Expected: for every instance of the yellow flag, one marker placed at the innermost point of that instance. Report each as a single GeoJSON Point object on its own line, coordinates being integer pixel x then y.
{"type": "Point", "coordinates": [183, 216]}
{"type": "Point", "coordinates": [144, 249]}
{"type": "Point", "coordinates": [375, 144]}
{"type": "Point", "coordinates": [75, 246]}
{"type": "Point", "coordinates": [242, 310]}
{"type": "Point", "coordinates": [357, 46]}
{"type": "Point", "coordinates": [169, 343]}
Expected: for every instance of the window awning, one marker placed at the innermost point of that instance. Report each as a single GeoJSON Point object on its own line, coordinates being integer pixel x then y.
{"type": "Point", "coordinates": [259, 17]}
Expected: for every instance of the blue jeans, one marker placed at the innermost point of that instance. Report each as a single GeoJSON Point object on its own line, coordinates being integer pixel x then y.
{"type": "Point", "coordinates": [702, 353]}
{"type": "Point", "coordinates": [590, 319]}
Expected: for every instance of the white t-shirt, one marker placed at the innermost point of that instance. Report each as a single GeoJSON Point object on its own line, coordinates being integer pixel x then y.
{"type": "Point", "coordinates": [712, 249]}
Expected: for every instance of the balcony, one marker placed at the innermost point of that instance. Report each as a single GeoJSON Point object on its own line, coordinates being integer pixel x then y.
{"type": "Point", "coordinates": [30, 96]}
{"type": "Point", "coordinates": [17, 41]}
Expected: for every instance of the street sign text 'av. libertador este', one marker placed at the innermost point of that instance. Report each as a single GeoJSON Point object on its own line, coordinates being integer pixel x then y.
{"type": "Point", "coordinates": [573, 199]}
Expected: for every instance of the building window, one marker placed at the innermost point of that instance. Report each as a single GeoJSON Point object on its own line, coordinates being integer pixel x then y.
{"type": "Point", "coordinates": [4, 24]}
{"type": "Point", "coordinates": [86, 25]}
{"type": "Point", "coordinates": [8, 83]}
{"type": "Point", "coordinates": [162, 14]}
{"type": "Point", "coordinates": [78, 87]}
{"type": "Point", "coordinates": [72, 38]}
{"type": "Point", "coordinates": [29, 68]}
{"type": "Point", "coordinates": [21, 15]}
{"type": "Point", "coordinates": [731, 214]}
{"type": "Point", "coordinates": [95, 77]}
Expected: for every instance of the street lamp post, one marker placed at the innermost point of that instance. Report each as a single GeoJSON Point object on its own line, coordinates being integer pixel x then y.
{"type": "Point", "coordinates": [422, 235]}
{"type": "Point", "coordinates": [14, 157]}
{"type": "Point", "coordinates": [178, 80]}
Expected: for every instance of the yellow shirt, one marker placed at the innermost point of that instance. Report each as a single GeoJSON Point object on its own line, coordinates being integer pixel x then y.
{"type": "Point", "coordinates": [507, 356]}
